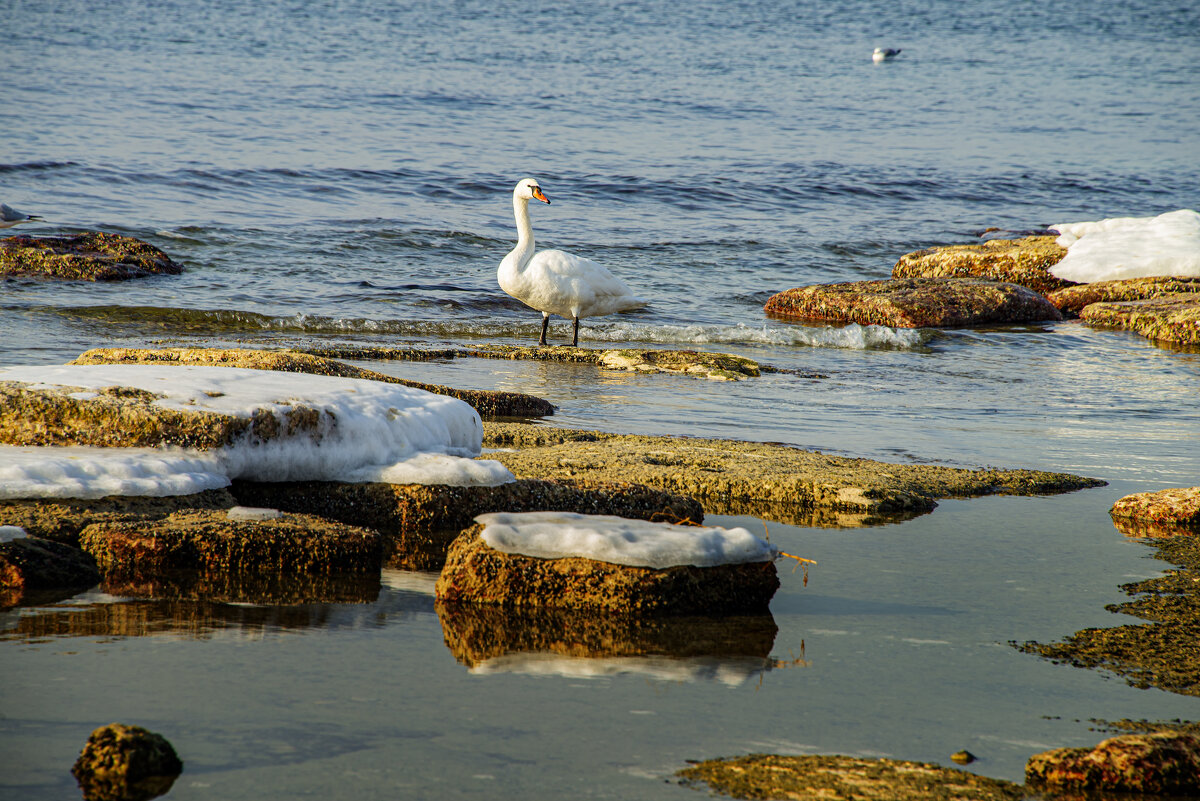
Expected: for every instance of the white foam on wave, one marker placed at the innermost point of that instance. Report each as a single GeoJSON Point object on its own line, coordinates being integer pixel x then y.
{"type": "Point", "coordinates": [1130, 247]}
{"type": "Point", "coordinates": [368, 431]}
{"type": "Point", "coordinates": [851, 337]}
{"type": "Point", "coordinates": [620, 541]}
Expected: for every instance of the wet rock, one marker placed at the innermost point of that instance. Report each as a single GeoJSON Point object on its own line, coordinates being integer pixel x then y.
{"type": "Point", "coordinates": [29, 564]}
{"type": "Point", "coordinates": [1164, 763]}
{"type": "Point", "coordinates": [62, 519]}
{"type": "Point", "coordinates": [1179, 506]}
{"type": "Point", "coordinates": [477, 573]}
{"type": "Point", "coordinates": [84, 257]}
{"type": "Point", "coordinates": [1072, 299]}
{"type": "Point", "coordinates": [731, 477]}
{"type": "Point", "coordinates": [842, 778]}
{"type": "Point", "coordinates": [126, 763]}
{"type": "Point", "coordinates": [1169, 318]}
{"type": "Point", "coordinates": [1025, 262]}
{"type": "Point", "coordinates": [489, 404]}
{"type": "Point", "coordinates": [963, 757]}
{"type": "Point", "coordinates": [210, 541]}
{"type": "Point", "coordinates": [420, 521]}
{"type": "Point", "coordinates": [915, 303]}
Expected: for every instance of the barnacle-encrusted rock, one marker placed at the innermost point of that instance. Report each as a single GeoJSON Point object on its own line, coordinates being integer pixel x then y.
{"type": "Point", "coordinates": [126, 763]}
{"type": "Point", "coordinates": [29, 564]}
{"type": "Point", "coordinates": [1178, 506]}
{"type": "Point", "coordinates": [61, 519]}
{"type": "Point", "coordinates": [843, 778]}
{"type": "Point", "coordinates": [92, 256]}
{"type": "Point", "coordinates": [1169, 318]}
{"type": "Point", "coordinates": [489, 404]}
{"type": "Point", "coordinates": [1164, 763]}
{"type": "Point", "coordinates": [477, 573]}
{"type": "Point", "coordinates": [211, 541]}
{"type": "Point", "coordinates": [728, 476]}
{"type": "Point", "coordinates": [1072, 299]}
{"type": "Point", "coordinates": [915, 303]}
{"type": "Point", "coordinates": [421, 520]}
{"type": "Point", "coordinates": [1025, 261]}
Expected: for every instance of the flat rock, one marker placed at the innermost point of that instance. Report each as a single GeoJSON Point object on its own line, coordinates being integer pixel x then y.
{"type": "Point", "coordinates": [1178, 506]}
{"type": "Point", "coordinates": [1164, 763]}
{"type": "Point", "coordinates": [915, 303]}
{"type": "Point", "coordinates": [30, 564]}
{"type": "Point", "coordinates": [210, 541]}
{"type": "Point", "coordinates": [420, 521]}
{"type": "Point", "coordinates": [1026, 261]}
{"type": "Point", "coordinates": [1072, 299]}
{"type": "Point", "coordinates": [121, 762]}
{"type": "Point", "coordinates": [477, 573]}
{"type": "Point", "coordinates": [1169, 318]}
{"type": "Point", "coordinates": [489, 404]}
{"type": "Point", "coordinates": [92, 256]}
{"type": "Point", "coordinates": [732, 477]}
{"type": "Point", "coordinates": [843, 778]}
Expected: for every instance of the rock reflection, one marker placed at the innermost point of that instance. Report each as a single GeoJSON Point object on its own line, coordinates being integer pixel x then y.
{"type": "Point", "coordinates": [578, 644]}
{"type": "Point", "coordinates": [1145, 529]}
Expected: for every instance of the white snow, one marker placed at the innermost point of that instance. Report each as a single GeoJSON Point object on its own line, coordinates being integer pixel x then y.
{"type": "Point", "coordinates": [620, 541]}
{"type": "Point", "coordinates": [253, 513]}
{"type": "Point", "coordinates": [10, 533]}
{"type": "Point", "coordinates": [1130, 247]}
{"type": "Point", "coordinates": [369, 431]}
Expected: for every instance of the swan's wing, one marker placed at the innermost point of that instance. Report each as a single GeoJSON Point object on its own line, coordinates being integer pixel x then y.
{"type": "Point", "coordinates": [569, 282]}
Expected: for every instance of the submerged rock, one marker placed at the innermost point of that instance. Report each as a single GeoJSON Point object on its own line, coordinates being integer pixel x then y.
{"type": "Point", "coordinates": [731, 477]}
{"type": "Point", "coordinates": [843, 778]}
{"type": "Point", "coordinates": [84, 257]}
{"type": "Point", "coordinates": [210, 541]}
{"type": "Point", "coordinates": [915, 303]}
{"type": "Point", "coordinates": [1164, 763]}
{"type": "Point", "coordinates": [1179, 506]}
{"type": "Point", "coordinates": [1025, 261]}
{"type": "Point", "coordinates": [29, 564]}
{"type": "Point", "coordinates": [420, 521]}
{"type": "Point", "coordinates": [488, 403]}
{"type": "Point", "coordinates": [1169, 318]}
{"type": "Point", "coordinates": [126, 763]}
{"type": "Point", "coordinates": [477, 573]}
{"type": "Point", "coordinates": [1073, 299]}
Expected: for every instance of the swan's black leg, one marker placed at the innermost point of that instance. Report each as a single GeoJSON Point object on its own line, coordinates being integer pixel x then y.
{"type": "Point", "coordinates": [545, 325]}
{"type": "Point", "coordinates": [575, 341]}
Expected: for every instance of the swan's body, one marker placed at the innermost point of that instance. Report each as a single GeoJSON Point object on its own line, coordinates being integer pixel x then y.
{"type": "Point", "coordinates": [554, 282]}
{"type": "Point", "coordinates": [10, 216]}
{"type": "Point", "coordinates": [883, 54]}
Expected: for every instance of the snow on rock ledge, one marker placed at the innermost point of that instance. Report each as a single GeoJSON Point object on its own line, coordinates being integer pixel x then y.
{"type": "Point", "coordinates": [1130, 247]}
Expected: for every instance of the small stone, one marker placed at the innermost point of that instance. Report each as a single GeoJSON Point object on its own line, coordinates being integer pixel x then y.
{"type": "Point", "coordinates": [126, 763]}
{"type": "Point", "coordinates": [963, 757]}
{"type": "Point", "coordinates": [1164, 763]}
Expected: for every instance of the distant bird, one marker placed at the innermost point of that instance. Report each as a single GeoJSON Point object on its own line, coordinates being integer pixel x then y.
{"type": "Point", "coordinates": [554, 282]}
{"type": "Point", "coordinates": [884, 53]}
{"type": "Point", "coordinates": [10, 216]}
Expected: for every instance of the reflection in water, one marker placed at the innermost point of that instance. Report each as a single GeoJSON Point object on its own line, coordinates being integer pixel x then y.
{"type": "Point", "coordinates": [1145, 529]}
{"type": "Point", "coordinates": [246, 588]}
{"type": "Point", "coordinates": [582, 644]}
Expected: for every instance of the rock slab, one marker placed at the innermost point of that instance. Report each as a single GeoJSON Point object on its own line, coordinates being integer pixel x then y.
{"type": "Point", "coordinates": [1164, 763]}
{"type": "Point", "coordinates": [91, 256]}
{"type": "Point", "coordinates": [1026, 261]}
{"type": "Point", "coordinates": [1178, 506]}
{"type": "Point", "coordinates": [1072, 299]}
{"type": "Point", "coordinates": [1169, 318]}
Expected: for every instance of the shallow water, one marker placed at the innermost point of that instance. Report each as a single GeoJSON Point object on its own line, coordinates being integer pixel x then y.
{"type": "Point", "coordinates": [341, 173]}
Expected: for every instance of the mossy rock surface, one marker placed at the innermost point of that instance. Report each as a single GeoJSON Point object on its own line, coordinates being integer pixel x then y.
{"type": "Point", "coordinates": [730, 477]}
{"type": "Point", "coordinates": [1168, 318]}
{"type": "Point", "coordinates": [84, 257]}
{"type": "Point", "coordinates": [915, 303]}
{"type": "Point", "coordinates": [121, 762]}
{"type": "Point", "coordinates": [488, 403]}
{"type": "Point", "coordinates": [1159, 764]}
{"type": "Point", "coordinates": [477, 573]}
{"type": "Point", "coordinates": [1178, 506]}
{"type": "Point", "coordinates": [1072, 299]}
{"type": "Point", "coordinates": [843, 778]}
{"type": "Point", "coordinates": [1026, 261]}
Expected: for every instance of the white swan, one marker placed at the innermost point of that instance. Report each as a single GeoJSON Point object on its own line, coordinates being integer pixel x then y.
{"type": "Point", "coordinates": [554, 282]}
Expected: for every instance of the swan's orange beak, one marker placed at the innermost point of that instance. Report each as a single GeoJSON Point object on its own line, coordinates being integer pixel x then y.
{"type": "Point", "coordinates": [537, 192]}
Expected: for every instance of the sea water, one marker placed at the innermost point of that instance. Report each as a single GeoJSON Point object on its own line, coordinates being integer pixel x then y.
{"type": "Point", "coordinates": [341, 173]}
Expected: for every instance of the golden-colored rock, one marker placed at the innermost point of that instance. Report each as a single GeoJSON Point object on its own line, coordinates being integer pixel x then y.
{"type": "Point", "coordinates": [1178, 506]}
{"type": "Point", "coordinates": [1163, 763]}
{"type": "Point", "coordinates": [1072, 299]}
{"type": "Point", "coordinates": [92, 256]}
{"type": "Point", "coordinates": [1026, 262]}
{"type": "Point", "coordinates": [126, 763]}
{"type": "Point", "coordinates": [1169, 318]}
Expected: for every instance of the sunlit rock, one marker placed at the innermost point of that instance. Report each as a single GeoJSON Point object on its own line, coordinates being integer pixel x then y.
{"type": "Point", "coordinates": [1164, 763]}
{"type": "Point", "coordinates": [1025, 262]}
{"type": "Point", "coordinates": [92, 256]}
{"type": "Point", "coordinates": [126, 763]}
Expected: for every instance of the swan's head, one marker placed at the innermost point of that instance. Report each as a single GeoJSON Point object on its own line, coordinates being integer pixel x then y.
{"type": "Point", "coordinates": [529, 189]}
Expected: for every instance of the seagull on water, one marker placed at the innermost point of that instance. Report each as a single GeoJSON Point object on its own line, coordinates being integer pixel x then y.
{"type": "Point", "coordinates": [10, 216]}
{"type": "Point", "coordinates": [884, 53]}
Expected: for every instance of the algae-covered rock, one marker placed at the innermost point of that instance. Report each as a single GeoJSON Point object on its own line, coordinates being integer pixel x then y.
{"type": "Point", "coordinates": [915, 303]}
{"type": "Point", "coordinates": [489, 404]}
{"type": "Point", "coordinates": [1026, 261]}
{"type": "Point", "coordinates": [84, 257]}
{"type": "Point", "coordinates": [843, 778]}
{"type": "Point", "coordinates": [1163, 763]}
{"type": "Point", "coordinates": [420, 521]}
{"type": "Point", "coordinates": [209, 540]}
{"type": "Point", "coordinates": [126, 763]}
{"type": "Point", "coordinates": [477, 573]}
{"type": "Point", "coordinates": [730, 477]}
{"type": "Point", "coordinates": [1178, 506]}
{"type": "Point", "coordinates": [1169, 318]}
{"type": "Point", "coordinates": [29, 564]}
{"type": "Point", "coordinates": [1073, 299]}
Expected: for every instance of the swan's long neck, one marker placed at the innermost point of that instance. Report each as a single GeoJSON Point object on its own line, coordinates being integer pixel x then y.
{"type": "Point", "coordinates": [523, 252]}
